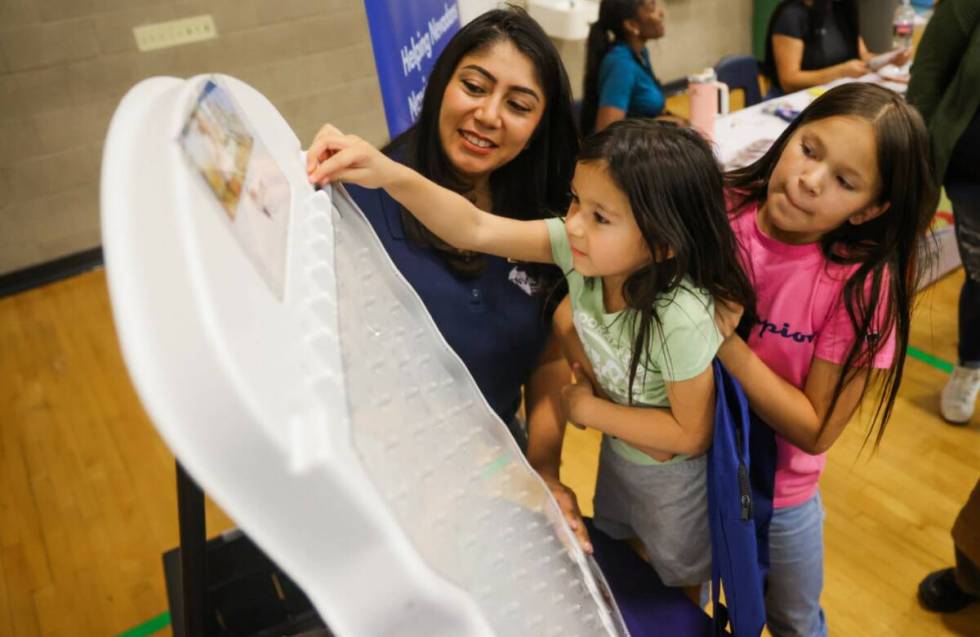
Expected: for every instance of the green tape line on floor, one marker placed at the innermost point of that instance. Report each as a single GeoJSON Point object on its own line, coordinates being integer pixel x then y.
{"type": "Point", "coordinates": [148, 627]}
{"type": "Point", "coordinates": [929, 359]}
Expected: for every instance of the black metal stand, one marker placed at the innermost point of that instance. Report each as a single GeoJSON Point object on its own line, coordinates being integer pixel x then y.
{"type": "Point", "coordinates": [193, 557]}
{"type": "Point", "coordinates": [227, 586]}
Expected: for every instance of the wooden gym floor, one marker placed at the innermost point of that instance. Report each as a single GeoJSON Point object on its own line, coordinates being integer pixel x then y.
{"type": "Point", "coordinates": [87, 499]}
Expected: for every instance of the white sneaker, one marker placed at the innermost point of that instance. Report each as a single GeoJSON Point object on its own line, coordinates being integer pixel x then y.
{"type": "Point", "coordinates": [959, 397]}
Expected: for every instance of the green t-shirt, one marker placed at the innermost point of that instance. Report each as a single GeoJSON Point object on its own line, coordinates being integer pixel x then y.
{"type": "Point", "coordinates": [682, 348]}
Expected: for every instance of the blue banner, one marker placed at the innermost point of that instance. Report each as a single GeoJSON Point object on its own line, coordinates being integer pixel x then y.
{"type": "Point", "coordinates": [407, 37]}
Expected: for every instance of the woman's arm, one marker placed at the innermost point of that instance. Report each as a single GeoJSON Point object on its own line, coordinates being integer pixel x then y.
{"type": "Point", "coordinates": [607, 115]}
{"type": "Point", "coordinates": [788, 54]}
{"type": "Point", "coordinates": [863, 53]}
{"type": "Point", "coordinates": [798, 416]}
{"type": "Point", "coordinates": [686, 427]}
{"type": "Point", "coordinates": [334, 156]}
{"type": "Point", "coordinates": [900, 58]}
{"type": "Point", "coordinates": [542, 399]}
{"type": "Point", "coordinates": [546, 430]}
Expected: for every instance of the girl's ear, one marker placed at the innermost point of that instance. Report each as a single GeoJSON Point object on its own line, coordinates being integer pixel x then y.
{"type": "Point", "coordinates": [872, 211]}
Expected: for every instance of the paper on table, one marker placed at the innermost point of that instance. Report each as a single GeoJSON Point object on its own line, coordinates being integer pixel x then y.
{"type": "Point", "coordinates": [883, 59]}
{"type": "Point", "coordinates": [893, 73]}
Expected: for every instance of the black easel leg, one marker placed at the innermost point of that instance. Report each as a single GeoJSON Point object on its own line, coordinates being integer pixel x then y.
{"type": "Point", "coordinates": [193, 557]}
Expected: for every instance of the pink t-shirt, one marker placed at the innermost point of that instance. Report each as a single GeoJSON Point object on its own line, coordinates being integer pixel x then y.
{"type": "Point", "coordinates": [801, 316]}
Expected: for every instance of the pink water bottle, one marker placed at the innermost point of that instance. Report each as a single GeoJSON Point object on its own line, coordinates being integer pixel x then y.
{"type": "Point", "coordinates": [708, 98]}
{"type": "Point", "coordinates": [903, 25]}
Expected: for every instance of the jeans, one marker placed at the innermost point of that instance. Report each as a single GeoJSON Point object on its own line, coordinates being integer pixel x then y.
{"type": "Point", "coordinates": [796, 571]}
{"type": "Point", "coordinates": [965, 197]}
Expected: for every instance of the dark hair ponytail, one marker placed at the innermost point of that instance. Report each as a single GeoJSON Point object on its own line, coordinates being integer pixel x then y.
{"type": "Point", "coordinates": [887, 250]}
{"type": "Point", "coordinates": [603, 34]}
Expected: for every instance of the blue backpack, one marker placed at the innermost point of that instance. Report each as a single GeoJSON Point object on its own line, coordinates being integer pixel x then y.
{"type": "Point", "coordinates": [741, 471]}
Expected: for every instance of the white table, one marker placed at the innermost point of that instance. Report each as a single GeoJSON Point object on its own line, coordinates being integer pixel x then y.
{"type": "Point", "coordinates": [755, 125]}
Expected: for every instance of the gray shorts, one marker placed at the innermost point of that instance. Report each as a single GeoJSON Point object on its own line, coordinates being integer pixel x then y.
{"type": "Point", "coordinates": [665, 506]}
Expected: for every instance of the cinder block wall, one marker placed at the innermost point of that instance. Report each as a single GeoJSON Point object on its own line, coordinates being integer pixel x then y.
{"type": "Point", "coordinates": [699, 33]}
{"type": "Point", "coordinates": [65, 64]}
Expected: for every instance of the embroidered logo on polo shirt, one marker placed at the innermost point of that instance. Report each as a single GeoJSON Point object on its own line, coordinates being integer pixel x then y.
{"type": "Point", "coordinates": [523, 280]}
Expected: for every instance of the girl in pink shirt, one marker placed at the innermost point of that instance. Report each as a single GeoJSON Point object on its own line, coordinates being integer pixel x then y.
{"type": "Point", "coordinates": [829, 222]}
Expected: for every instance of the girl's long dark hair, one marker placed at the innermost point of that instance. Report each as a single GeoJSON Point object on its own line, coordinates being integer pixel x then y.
{"type": "Point", "coordinates": [603, 34]}
{"type": "Point", "coordinates": [887, 250]}
{"type": "Point", "coordinates": [531, 184]}
{"type": "Point", "coordinates": [675, 190]}
{"type": "Point", "coordinates": [846, 12]}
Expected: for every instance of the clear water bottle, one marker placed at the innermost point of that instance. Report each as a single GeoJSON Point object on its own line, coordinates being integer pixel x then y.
{"type": "Point", "coordinates": [903, 25]}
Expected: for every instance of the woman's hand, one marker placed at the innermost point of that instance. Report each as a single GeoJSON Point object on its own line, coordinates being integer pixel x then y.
{"type": "Point", "coordinates": [727, 317]}
{"type": "Point", "coordinates": [576, 395]}
{"type": "Point", "coordinates": [334, 156]}
{"type": "Point", "coordinates": [902, 58]}
{"type": "Point", "coordinates": [568, 504]}
{"type": "Point", "coordinates": [853, 68]}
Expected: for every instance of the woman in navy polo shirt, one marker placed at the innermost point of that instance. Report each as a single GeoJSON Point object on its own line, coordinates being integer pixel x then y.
{"type": "Point", "coordinates": [497, 125]}
{"type": "Point", "coordinates": [619, 81]}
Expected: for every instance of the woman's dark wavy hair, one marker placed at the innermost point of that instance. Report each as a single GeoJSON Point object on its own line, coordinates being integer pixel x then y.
{"type": "Point", "coordinates": [603, 34]}
{"type": "Point", "coordinates": [536, 180]}
{"type": "Point", "coordinates": [886, 250]}
{"type": "Point", "coordinates": [675, 190]}
{"type": "Point", "coordinates": [846, 12]}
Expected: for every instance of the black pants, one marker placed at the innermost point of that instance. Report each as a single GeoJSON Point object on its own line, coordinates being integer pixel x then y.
{"type": "Point", "coordinates": [966, 539]}
{"type": "Point", "coordinates": [967, 574]}
{"type": "Point", "coordinates": [963, 187]}
{"type": "Point", "coordinates": [966, 211]}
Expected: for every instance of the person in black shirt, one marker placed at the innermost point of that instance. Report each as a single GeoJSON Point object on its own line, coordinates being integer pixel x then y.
{"type": "Point", "coordinates": [813, 42]}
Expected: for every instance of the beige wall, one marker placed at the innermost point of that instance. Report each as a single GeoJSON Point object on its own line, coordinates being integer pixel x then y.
{"type": "Point", "coordinates": [699, 33]}
{"type": "Point", "coordinates": [65, 64]}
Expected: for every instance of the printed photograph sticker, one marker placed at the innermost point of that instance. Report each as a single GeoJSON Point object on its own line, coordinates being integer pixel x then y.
{"type": "Point", "coordinates": [218, 144]}
{"type": "Point", "coordinates": [245, 179]}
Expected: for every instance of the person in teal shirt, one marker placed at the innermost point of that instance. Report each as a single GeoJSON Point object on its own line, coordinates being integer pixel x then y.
{"type": "Point", "coordinates": [619, 80]}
